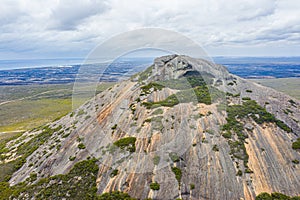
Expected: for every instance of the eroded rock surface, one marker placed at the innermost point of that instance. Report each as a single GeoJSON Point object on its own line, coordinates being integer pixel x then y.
{"type": "Point", "coordinates": [186, 136]}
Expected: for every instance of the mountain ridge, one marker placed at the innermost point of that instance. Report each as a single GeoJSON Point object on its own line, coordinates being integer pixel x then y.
{"type": "Point", "coordinates": [181, 122]}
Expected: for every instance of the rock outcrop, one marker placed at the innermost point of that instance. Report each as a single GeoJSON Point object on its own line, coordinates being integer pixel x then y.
{"type": "Point", "coordinates": [154, 129]}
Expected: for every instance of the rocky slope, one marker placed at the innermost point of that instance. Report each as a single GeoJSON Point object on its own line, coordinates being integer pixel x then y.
{"type": "Point", "coordinates": [184, 128]}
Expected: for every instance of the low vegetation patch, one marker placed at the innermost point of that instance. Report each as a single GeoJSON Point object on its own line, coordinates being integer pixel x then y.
{"type": "Point", "coordinates": [215, 148]}
{"type": "Point", "coordinates": [198, 94]}
{"type": "Point", "coordinates": [156, 122]}
{"type": "Point", "coordinates": [151, 86]}
{"type": "Point", "coordinates": [239, 173]}
{"type": "Point", "coordinates": [192, 89]}
{"type": "Point", "coordinates": [156, 160]}
{"type": "Point", "coordinates": [275, 196]}
{"type": "Point", "coordinates": [24, 150]}
{"type": "Point", "coordinates": [192, 186]}
{"type": "Point", "coordinates": [250, 109]}
{"type": "Point", "coordinates": [178, 173]}
{"type": "Point", "coordinates": [4, 141]}
{"type": "Point", "coordinates": [154, 186]}
{"type": "Point", "coordinates": [127, 143]}
{"type": "Point", "coordinates": [234, 125]}
{"type": "Point", "coordinates": [246, 98]}
{"type": "Point", "coordinates": [81, 146]}
{"type": "Point", "coordinates": [80, 112]}
{"type": "Point", "coordinates": [114, 127]}
{"type": "Point", "coordinates": [295, 161]}
{"type": "Point", "coordinates": [158, 111]}
{"type": "Point", "coordinates": [184, 83]}
{"type": "Point", "coordinates": [296, 144]}
{"type": "Point", "coordinates": [79, 183]}
{"type": "Point", "coordinates": [72, 158]}
{"type": "Point", "coordinates": [174, 157]}
{"type": "Point", "coordinates": [145, 74]}
{"type": "Point", "coordinates": [114, 173]}
{"type": "Point", "coordinates": [291, 101]}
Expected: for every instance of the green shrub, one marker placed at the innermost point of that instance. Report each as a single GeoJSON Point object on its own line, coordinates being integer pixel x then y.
{"type": "Point", "coordinates": [263, 196]}
{"type": "Point", "coordinates": [155, 86]}
{"type": "Point", "coordinates": [283, 126]}
{"type": "Point", "coordinates": [138, 99]}
{"type": "Point", "coordinates": [174, 157]}
{"type": "Point", "coordinates": [80, 112]}
{"type": "Point", "coordinates": [291, 101]}
{"type": "Point", "coordinates": [81, 146]}
{"type": "Point", "coordinates": [215, 148]}
{"type": "Point", "coordinates": [227, 134]}
{"type": "Point", "coordinates": [158, 112]}
{"type": "Point", "coordinates": [114, 173]}
{"type": "Point", "coordinates": [32, 177]}
{"type": "Point", "coordinates": [147, 120]}
{"type": "Point", "coordinates": [279, 196]}
{"type": "Point", "coordinates": [72, 158]}
{"type": "Point", "coordinates": [114, 127]}
{"type": "Point", "coordinates": [192, 186]}
{"type": "Point", "coordinates": [5, 190]}
{"type": "Point", "coordinates": [295, 161]}
{"type": "Point", "coordinates": [154, 186]}
{"type": "Point", "coordinates": [249, 171]}
{"type": "Point", "coordinates": [239, 173]}
{"type": "Point", "coordinates": [246, 98]}
{"type": "Point", "coordinates": [177, 173]}
{"type": "Point", "coordinates": [156, 160]}
{"type": "Point", "coordinates": [275, 196]}
{"type": "Point", "coordinates": [296, 144]}
{"type": "Point", "coordinates": [249, 91]}
{"type": "Point", "coordinates": [209, 131]}
{"type": "Point", "coordinates": [127, 143]}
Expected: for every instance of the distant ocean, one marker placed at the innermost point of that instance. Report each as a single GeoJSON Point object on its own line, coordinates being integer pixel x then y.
{"type": "Point", "coordinates": [50, 71]}
{"type": "Point", "coordinates": [261, 67]}
{"type": "Point", "coordinates": [35, 63]}
{"type": "Point", "coordinates": [227, 61]}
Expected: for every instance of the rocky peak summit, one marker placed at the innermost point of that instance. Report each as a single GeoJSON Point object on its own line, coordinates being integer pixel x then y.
{"type": "Point", "coordinates": [177, 66]}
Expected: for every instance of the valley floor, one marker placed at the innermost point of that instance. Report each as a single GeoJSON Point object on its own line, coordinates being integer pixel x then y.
{"type": "Point", "coordinates": [29, 106]}
{"type": "Point", "coordinates": [289, 86]}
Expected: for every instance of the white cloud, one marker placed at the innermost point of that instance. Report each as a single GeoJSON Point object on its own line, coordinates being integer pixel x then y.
{"type": "Point", "coordinates": [72, 28]}
{"type": "Point", "coordinates": [67, 14]}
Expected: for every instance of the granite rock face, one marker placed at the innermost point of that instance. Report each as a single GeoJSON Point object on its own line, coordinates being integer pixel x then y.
{"type": "Point", "coordinates": [180, 147]}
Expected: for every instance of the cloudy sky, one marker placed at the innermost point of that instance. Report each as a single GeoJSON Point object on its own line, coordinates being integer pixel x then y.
{"type": "Point", "coordinates": [69, 28]}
